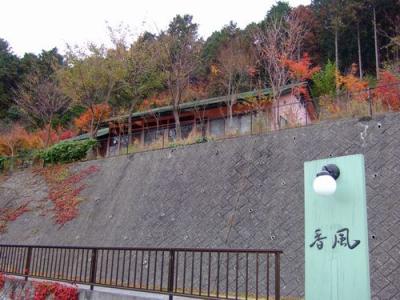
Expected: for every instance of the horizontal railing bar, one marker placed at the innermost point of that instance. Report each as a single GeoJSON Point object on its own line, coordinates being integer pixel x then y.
{"type": "Point", "coordinates": [152, 249]}
{"type": "Point", "coordinates": [206, 271]}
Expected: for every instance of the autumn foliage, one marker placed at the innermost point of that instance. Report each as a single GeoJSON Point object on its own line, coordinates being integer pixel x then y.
{"type": "Point", "coordinates": [92, 117]}
{"type": "Point", "coordinates": [64, 190]}
{"type": "Point", "coordinates": [356, 87]}
{"type": "Point", "coordinates": [301, 70]}
{"type": "Point", "coordinates": [59, 291]}
{"type": "Point", "coordinates": [2, 281]}
{"type": "Point", "coordinates": [10, 214]}
{"type": "Point", "coordinates": [388, 91]}
{"type": "Point", "coordinates": [17, 139]}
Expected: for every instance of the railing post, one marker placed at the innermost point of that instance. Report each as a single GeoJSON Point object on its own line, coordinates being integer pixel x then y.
{"type": "Point", "coordinates": [277, 276]}
{"type": "Point", "coordinates": [251, 123]}
{"type": "Point", "coordinates": [93, 268]}
{"type": "Point", "coordinates": [171, 272]}
{"type": "Point", "coordinates": [28, 263]}
{"type": "Point", "coordinates": [370, 102]}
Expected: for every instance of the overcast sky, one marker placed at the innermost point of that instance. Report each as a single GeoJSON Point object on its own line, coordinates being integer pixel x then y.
{"type": "Point", "coordinates": [33, 25]}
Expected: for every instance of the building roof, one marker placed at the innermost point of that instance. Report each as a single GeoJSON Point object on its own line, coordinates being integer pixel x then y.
{"type": "Point", "coordinates": [101, 132]}
{"type": "Point", "coordinates": [202, 103]}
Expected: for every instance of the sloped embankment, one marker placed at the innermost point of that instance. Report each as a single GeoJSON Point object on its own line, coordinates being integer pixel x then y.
{"type": "Point", "coordinates": [245, 192]}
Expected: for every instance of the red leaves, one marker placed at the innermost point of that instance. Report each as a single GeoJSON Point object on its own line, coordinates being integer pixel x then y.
{"type": "Point", "coordinates": [64, 190]}
{"type": "Point", "coordinates": [301, 70]}
{"type": "Point", "coordinates": [45, 289]}
{"type": "Point", "coordinates": [388, 90]}
{"type": "Point", "coordinates": [11, 214]}
{"type": "Point", "coordinates": [2, 281]}
{"type": "Point", "coordinates": [67, 134]}
{"type": "Point", "coordinates": [19, 211]}
{"type": "Point", "coordinates": [93, 116]}
{"type": "Point", "coordinates": [60, 291]}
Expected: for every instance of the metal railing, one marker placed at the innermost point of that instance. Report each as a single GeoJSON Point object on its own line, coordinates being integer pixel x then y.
{"type": "Point", "coordinates": [199, 273]}
{"type": "Point", "coordinates": [362, 104]}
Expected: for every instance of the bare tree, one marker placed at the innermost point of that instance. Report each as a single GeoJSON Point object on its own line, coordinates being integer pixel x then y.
{"type": "Point", "coordinates": [276, 44]}
{"type": "Point", "coordinates": [42, 100]}
{"type": "Point", "coordinates": [393, 35]}
{"type": "Point", "coordinates": [234, 62]}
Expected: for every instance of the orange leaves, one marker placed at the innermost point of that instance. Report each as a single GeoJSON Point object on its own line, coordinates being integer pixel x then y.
{"type": "Point", "coordinates": [214, 70]}
{"type": "Point", "coordinates": [301, 70]}
{"type": "Point", "coordinates": [93, 116]}
{"type": "Point", "coordinates": [159, 100]}
{"type": "Point", "coordinates": [16, 139]}
{"type": "Point", "coordinates": [355, 86]}
{"type": "Point", "coordinates": [388, 90]}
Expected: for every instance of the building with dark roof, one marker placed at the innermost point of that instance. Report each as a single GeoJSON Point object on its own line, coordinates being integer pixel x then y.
{"type": "Point", "coordinates": [251, 112]}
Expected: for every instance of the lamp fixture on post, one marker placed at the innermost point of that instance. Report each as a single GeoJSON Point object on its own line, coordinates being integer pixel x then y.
{"type": "Point", "coordinates": [325, 182]}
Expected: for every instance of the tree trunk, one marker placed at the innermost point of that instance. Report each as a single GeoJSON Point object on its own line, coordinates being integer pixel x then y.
{"type": "Point", "coordinates": [49, 132]}
{"type": "Point", "coordinates": [376, 44]}
{"type": "Point", "coordinates": [359, 52]}
{"type": "Point", "coordinates": [230, 107]}
{"type": "Point", "coordinates": [336, 48]}
{"type": "Point", "coordinates": [92, 133]}
{"type": "Point", "coordinates": [177, 123]}
{"type": "Point", "coordinates": [130, 128]}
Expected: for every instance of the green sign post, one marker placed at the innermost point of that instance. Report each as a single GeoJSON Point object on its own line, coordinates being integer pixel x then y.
{"type": "Point", "coordinates": [336, 233]}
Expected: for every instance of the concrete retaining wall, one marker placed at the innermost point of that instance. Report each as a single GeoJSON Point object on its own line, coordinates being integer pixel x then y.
{"type": "Point", "coordinates": [243, 192]}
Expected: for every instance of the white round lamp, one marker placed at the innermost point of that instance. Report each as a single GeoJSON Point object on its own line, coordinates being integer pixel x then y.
{"type": "Point", "coordinates": [325, 182]}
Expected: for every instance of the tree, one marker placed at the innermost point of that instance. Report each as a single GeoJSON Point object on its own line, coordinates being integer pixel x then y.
{"type": "Point", "coordinates": [17, 139]}
{"type": "Point", "coordinates": [324, 81]}
{"type": "Point", "coordinates": [143, 76]}
{"type": "Point", "coordinates": [179, 50]}
{"type": "Point", "coordinates": [92, 118]}
{"type": "Point", "coordinates": [310, 42]}
{"type": "Point", "coordinates": [278, 11]}
{"type": "Point", "coordinates": [301, 70]}
{"type": "Point", "coordinates": [231, 70]}
{"type": "Point", "coordinates": [276, 44]}
{"type": "Point", "coordinates": [216, 41]}
{"type": "Point", "coordinates": [41, 99]}
{"type": "Point", "coordinates": [90, 79]}
{"type": "Point", "coordinates": [9, 76]}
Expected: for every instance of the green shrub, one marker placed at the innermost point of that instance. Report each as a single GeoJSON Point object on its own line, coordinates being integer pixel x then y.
{"type": "Point", "coordinates": [324, 81]}
{"type": "Point", "coordinates": [201, 139]}
{"type": "Point", "coordinates": [67, 151]}
{"type": "Point", "coordinates": [173, 145]}
{"type": "Point", "coordinates": [2, 162]}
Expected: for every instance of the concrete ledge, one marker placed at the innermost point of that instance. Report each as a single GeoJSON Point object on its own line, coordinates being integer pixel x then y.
{"type": "Point", "coordinates": [16, 287]}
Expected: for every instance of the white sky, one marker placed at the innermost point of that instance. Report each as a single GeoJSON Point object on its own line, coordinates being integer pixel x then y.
{"type": "Point", "coordinates": [33, 25]}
